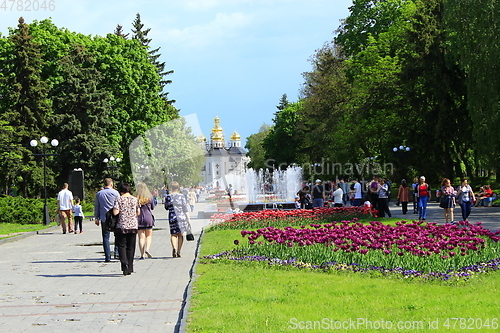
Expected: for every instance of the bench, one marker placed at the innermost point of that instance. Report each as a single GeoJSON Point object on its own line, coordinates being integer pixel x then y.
{"type": "Point", "coordinates": [487, 202]}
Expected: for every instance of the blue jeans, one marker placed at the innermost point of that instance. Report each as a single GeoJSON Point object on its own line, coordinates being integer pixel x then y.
{"type": "Point", "coordinates": [422, 207]}
{"type": "Point", "coordinates": [465, 207]}
{"type": "Point", "coordinates": [318, 202]}
{"type": "Point", "coordinates": [105, 243]}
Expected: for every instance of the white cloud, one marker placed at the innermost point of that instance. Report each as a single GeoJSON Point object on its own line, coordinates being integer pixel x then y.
{"type": "Point", "coordinates": [216, 32]}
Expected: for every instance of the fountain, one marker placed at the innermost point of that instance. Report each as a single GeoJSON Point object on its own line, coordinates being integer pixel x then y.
{"type": "Point", "coordinates": [265, 189]}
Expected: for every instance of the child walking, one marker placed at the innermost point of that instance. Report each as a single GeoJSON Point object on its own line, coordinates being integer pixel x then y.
{"type": "Point", "coordinates": [78, 214]}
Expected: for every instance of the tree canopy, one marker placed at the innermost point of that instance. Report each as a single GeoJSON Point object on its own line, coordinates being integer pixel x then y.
{"type": "Point", "coordinates": [94, 94]}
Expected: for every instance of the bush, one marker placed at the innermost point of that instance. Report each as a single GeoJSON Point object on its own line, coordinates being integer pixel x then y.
{"type": "Point", "coordinates": [25, 211]}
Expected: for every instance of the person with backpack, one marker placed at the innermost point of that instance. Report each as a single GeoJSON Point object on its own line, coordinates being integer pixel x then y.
{"type": "Point", "coordinates": [423, 193]}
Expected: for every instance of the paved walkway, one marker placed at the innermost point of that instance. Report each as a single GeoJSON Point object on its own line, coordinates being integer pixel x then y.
{"type": "Point", "coordinates": [489, 216]}
{"type": "Point", "coordinates": [54, 282]}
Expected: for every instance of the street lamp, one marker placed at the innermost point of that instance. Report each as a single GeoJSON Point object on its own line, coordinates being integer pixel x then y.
{"type": "Point", "coordinates": [113, 164]}
{"type": "Point", "coordinates": [402, 149]}
{"type": "Point", "coordinates": [54, 143]}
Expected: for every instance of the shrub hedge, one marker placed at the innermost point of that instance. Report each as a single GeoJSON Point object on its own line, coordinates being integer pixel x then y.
{"type": "Point", "coordinates": [30, 211]}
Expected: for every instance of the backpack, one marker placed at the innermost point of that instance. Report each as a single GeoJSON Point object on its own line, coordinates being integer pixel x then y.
{"type": "Point", "coordinates": [111, 220]}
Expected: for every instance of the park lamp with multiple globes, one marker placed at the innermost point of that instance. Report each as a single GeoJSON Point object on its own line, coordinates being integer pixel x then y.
{"type": "Point", "coordinates": [401, 148]}
{"type": "Point", "coordinates": [112, 163]}
{"type": "Point", "coordinates": [54, 143]}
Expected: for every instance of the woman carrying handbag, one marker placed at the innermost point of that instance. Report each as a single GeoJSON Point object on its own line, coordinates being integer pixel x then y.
{"type": "Point", "coordinates": [178, 218]}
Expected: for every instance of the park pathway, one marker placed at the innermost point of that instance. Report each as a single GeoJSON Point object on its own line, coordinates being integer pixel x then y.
{"type": "Point", "coordinates": [55, 282]}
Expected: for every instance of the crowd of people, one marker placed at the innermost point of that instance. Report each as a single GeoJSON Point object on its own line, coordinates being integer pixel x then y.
{"type": "Point", "coordinates": [133, 212]}
{"type": "Point", "coordinates": [375, 195]}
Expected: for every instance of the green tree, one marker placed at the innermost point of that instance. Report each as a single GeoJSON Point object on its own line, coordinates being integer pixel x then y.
{"type": "Point", "coordinates": [473, 34]}
{"type": "Point", "coordinates": [81, 115]}
{"type": "Point", "coordinates": [281, 143]}
{"type": "Point", "coordinates": [25, 99]}
{"type": "Point", "coordinates": [119, 32]}
{"type": "Point", "coordinates": [141, 34]}
{"type": "Point", "coordinates": [255, 149]}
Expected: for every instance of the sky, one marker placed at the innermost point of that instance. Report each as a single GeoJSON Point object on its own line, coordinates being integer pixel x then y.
{"type": "Point", "coordinates": [231, 58]}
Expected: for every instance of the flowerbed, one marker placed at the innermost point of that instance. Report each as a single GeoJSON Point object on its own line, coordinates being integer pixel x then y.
{"type": "Point", "coordinates": [269, 217]}
{"type": "Point", "coordinates": [416, 249]}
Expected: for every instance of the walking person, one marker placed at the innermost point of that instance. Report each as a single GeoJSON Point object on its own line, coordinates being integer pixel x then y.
{"type": "Point", "coordinates": [178, 218]}
{"type": "Point", "coordinates": [192, 198]}
{"type": "Point", "coordinates": [78, 214]}
{"type": "Point", "coordinates": [404, 196]}
{"type": "Point", "coordinates": [65, 205]}
{"type": "Point", "coordinates": [447, 200]}
{"type": "Point", "coordinates": [414, 195]}
{"type": "Point", "coordinates": [423, 193]}
{"type": "Point", "coordinates": [383, 199]}
{"type": "Point", "coordinates": [127, 208]}
{"type": "Point", "coordinates": [466, 198]}
{"type": "Point", "coordinates": [104, 201]}
{"type": "Point", "coordinates": [145, 220]}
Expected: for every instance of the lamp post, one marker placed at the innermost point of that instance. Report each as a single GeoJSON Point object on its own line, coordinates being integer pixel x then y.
{"type": "Point", "coordinates": [113, 164]}
{"type": "Point", "coordinates": [54, 143]}
{"type": "Point", "coordinates": [400, 153]}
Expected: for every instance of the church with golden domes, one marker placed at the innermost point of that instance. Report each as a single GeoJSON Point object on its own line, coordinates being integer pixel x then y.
{"type": "Point", "coordinates": [224, 161]}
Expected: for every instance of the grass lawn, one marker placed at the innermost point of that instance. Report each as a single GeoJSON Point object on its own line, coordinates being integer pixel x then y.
{"type": "Point", "coordinates": [251, 297]}
{"type": "Point", "coordinates": [8, 230]}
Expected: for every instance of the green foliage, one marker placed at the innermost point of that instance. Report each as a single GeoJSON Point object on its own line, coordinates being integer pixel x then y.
{"type": "Point", "coordinates": [256, 151]}
{"type": "Point", "coordinates": [473, 38]}
{"type": "Point", "coordinates": [281, 143]}
{"type": "Point", "coordinates": [94, 94]}
{"type": "Point", "coordinates": [25, 211]}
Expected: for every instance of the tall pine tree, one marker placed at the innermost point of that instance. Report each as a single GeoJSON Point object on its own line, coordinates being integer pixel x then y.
{"type": "Point", "coordinates": [140, 34]}
{"type": "Point", "coordinates": [26, 100]}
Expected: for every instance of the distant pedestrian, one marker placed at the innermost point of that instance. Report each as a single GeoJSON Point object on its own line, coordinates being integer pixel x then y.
{"type": "Point", "coordinates": [178, 218]}
{"type": "Point", "coordinates": [65, 205]}
{"type": "Point", "coordinates": [192, 198]}
{"type": "Point", "coordinates": [127, 208]}
{"type": "Point", "coordinates": [305, 198]}
{"type": "Point", "coordinates": [383, 199]}
{"type": "Point", "coordinates": [373, 191]}
{"type": "Point", "coordinates": [404, 195]}
{"type": "Point", "coordinates": [345, 188]}
{"type": "Point", "coordinates": [356, 193]}
{"type": "Point", "coordinates": [414, 195]}
{"type": "Point", "coordinates": [338, 196]}
{"type": "Point", "coordinates": [104, 201]}
{"type": "Point", "coordinates": [466, 198]}
{"type": "Point", "coordinates": [78, 214]}
{"type": "Point", "coordinates": [423, 192]}
{"type": "Point", "coordinates": [145, 220]}
{"type": "Point", "coordinates": [447, 200]}
{"type": "Point", "coordinates": [318, 195]}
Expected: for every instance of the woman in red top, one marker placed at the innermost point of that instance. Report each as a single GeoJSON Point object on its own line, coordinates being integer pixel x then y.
{"type": "Point", "coordinates": [423, 192]}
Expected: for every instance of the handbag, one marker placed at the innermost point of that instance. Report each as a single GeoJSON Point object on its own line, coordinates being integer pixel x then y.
{"type": "Point", "coordinates": [189, 234]}
{"type": "Point", "coordinates": [445, 201]}
{"type": "Point", "coordinates": [111, 220]}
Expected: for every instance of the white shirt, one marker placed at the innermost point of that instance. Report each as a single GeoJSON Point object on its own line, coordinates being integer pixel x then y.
{"type": "Point", "coordinates": [337, 196]}
{"type": "Point", "coordinates": [357, 188]}
{"type": "Point", "coordinates": [65, 197]}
